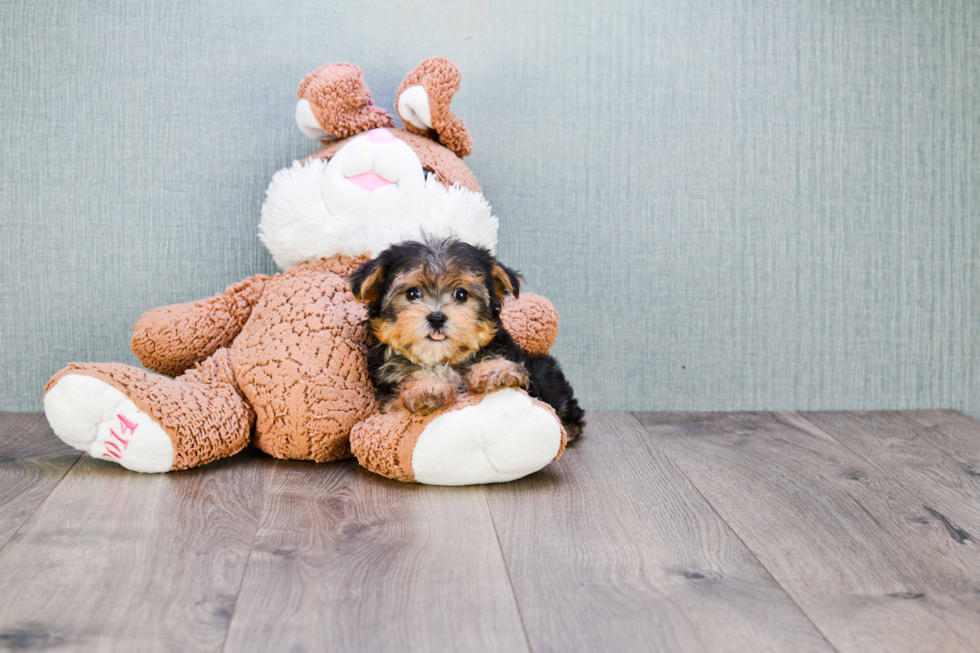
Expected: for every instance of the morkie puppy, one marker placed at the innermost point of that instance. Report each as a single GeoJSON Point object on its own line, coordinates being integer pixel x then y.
{"type": "Point", "coordinates": [434, 310]}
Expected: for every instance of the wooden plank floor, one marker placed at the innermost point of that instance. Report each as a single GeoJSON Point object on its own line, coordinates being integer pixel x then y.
{"type": "Point", "coordinates": [655, 532]}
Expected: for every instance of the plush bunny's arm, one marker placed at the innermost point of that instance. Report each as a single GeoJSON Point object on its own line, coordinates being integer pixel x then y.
{"type": "Point", "coordinates": [170, 339]}
{"type": "Point", "coordinates": [532, 322]}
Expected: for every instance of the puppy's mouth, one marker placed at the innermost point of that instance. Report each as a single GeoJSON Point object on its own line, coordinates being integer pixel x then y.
{"type": "Point", "coordinates": [437, 336]}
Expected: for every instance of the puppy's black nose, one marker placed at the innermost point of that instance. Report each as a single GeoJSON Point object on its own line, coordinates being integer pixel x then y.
{"type": "Point", "coordinates": [436, 319]}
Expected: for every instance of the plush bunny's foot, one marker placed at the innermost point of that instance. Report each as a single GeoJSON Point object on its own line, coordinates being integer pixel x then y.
{"type": "Point", "coordinates": [146, 422]}
{"type": "Point", "coordinates": [495, 438]}
{"type": "Point", "coordinates": [504, 437]}
{"type": "Point", "coordinates": [94, 417]}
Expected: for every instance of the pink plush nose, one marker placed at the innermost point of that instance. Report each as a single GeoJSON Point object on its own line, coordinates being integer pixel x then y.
{"type": "Point", "coordinates": [380, 135]}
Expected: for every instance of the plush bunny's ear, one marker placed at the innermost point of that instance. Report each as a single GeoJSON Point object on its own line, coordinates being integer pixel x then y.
{"type": "Point", "coordinates": [423, 103]}
{"type": "Point", "coordinates": [334, 102]}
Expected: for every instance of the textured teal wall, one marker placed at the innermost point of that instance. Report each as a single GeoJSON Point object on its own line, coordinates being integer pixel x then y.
{"type": "Point", "coordinates": [740, 204]}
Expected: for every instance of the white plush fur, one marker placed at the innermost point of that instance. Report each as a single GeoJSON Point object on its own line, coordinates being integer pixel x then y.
{"type": "Point", "coordinates": [314, 210]}
{"type": "Point", "coordinates": [502, 438]}
{"type": "Point", "coordinates": [413, 107]}
{"type": "Point", "coordinates": [85, 413]}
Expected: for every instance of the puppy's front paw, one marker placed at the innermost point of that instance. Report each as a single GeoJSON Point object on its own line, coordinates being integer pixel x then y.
{"type": "Point", "coordinates": [423, 395]}
{"type": "Point", "coordinates": [490, 375]}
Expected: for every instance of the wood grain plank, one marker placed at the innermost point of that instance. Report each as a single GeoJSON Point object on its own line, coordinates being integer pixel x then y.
{"type": "Point", "coordinates": [612, 549]}
{"type": "Point", "coordinates": [119, 561]}
{"type": "Point", "coordinates": [32, 462]}
{"type": "Point", "coordinates": [937, 462]}
{"type": "Point", "coordinates": [955, 434]}
{"type": "Point", "coordinates": [346, 560]}
{"type": "Point", "coordinates": [857, 551]}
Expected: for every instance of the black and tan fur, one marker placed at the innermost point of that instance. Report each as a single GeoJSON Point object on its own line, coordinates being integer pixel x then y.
{"type": "Point", "coordinates": [434, 310]}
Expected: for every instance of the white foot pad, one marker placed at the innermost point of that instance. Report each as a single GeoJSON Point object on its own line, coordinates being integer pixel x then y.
{"type": "Point", "coordinates": [502, 438]}
{"type": "Point", "coordinates": [94, 417]}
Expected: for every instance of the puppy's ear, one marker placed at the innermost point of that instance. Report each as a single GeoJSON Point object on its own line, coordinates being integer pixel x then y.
{"type": "Point", "coordinates": [505, 281]}
{"type": "Point", "coordinates": [368, 280]}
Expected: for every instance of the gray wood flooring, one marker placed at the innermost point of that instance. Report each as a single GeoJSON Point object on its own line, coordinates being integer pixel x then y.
{"type": "Point", "coordinates": [753, 532]}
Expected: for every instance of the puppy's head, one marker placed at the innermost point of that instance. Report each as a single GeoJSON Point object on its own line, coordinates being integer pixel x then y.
{"type": "Point", "coordinates": [436, 301]}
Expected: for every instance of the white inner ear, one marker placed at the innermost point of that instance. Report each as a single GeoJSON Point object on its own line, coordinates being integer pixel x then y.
{"type": "Point", "coordinates": [307, 123]}
{"type": "Point", "coordinates": [413, 107]}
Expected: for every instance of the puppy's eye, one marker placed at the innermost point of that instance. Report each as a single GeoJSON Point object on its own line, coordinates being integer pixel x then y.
{"type": "Point", "coordinates": [460, 295]}
{"type": "Point", "coordinates": [413, 293]}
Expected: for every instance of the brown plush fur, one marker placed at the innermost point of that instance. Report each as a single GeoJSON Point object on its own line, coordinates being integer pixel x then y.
{"type": "Point", "coordinates": [341, 101]}
{"type": "Point", "coordinates": [532, 321]}
{"type": "Point", "coordinates": [440, 78]}
{"type": "Point", "coordinates": [290, 358]}
{"type": "Point", "coordinates": [298, 360]}
{"type": "Point", "coordinates": [170, 339]}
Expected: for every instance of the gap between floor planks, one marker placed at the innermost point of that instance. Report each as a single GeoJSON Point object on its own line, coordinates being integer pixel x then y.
{"type": "Point", "coordinates": [853, 540]}
{"type": "Point", "coordinates": [640, 561]}
{"type": "Point", "coordinates": [235, 579]}
{"type": "Point", "coordinates": [188, 561]}
{"type": "Point", "coordinates": [535, 586]}
{"type": "Point", "coordinates": [32, 463]}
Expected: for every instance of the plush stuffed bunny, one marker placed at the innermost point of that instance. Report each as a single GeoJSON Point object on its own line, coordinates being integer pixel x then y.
{"type": "Point", "coordinates": [281, 360]}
